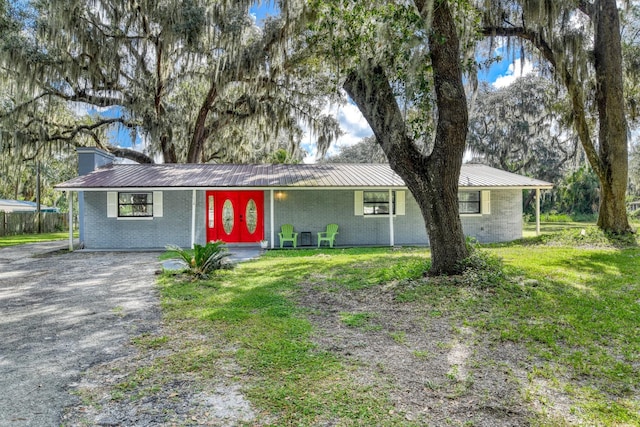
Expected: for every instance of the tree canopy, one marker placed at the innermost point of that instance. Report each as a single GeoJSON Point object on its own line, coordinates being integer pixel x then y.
{"type": "Point", "coordinates": [582, 43]}
{"type": "Point", "coordinates": [367, 150]}
{"type": "Point", "coordinates": [198, 79]}
{"type": "Point", "coordinates": [522, 128]}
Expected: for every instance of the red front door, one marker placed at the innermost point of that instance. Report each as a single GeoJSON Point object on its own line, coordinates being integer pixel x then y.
{"type": "Point", "coordinates": [235, 216]}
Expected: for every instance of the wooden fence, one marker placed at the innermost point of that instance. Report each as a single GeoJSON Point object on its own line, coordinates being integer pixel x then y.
{"type": "Point", "coordinates": [13, 223]}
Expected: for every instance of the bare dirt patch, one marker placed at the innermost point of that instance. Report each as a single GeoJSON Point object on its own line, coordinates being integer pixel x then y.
{"type": "Point", "coordinates": [436, 371]}
{"type": "Point", "coordinates": [147, 388]}
{"type": "Point", "coordinates": [60, 314]}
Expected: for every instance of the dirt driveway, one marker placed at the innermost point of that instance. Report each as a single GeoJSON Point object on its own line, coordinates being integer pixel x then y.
{"type": "Point", "coordinates": [61, 313]}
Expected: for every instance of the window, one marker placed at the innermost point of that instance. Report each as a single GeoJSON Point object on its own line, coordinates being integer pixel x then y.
{"type": "Point", "coordinates": [135, 204]}
{"type": "Point", "coordinates": [377, 203]}
{"type": "Point", "coordinates": [469, 202]}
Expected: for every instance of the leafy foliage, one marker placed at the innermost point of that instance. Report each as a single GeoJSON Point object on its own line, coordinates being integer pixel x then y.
{"type": "Point", "coordinates": [203, 260]}
{"type": "Point", "coordinates": [366, 151]}
{"type": "Point", "coordinates": [197, 78]}
{"type": "Point", "coordinates": [634, 169]}
{"type": "Point", "coordinates": [578, 192]}
{"type": "Point", "coordinates": [590, 236]}
{"type": "Point", "coordinates": [630, 18]}
{"type": "Point", "coordinates": [481, 268]}
{"type": "Point", "coordinates": [522, 128]}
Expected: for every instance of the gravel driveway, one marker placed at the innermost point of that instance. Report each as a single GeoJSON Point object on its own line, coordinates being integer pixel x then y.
{"type": "Point", "coordinates": [61, 313]}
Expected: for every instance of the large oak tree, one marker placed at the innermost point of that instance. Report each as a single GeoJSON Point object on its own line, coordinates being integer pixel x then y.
{"type": "Point", "coordinates": [197, 78]}
{"type": "Point", "coordinates": [581, 40]}
{"type": "Point", "coordinates": [410, 52]}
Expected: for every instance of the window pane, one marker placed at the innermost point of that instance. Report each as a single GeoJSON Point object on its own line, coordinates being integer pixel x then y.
{"type": "Point", "coordinates": [469, 196]}
{"type": "Point", "coordinates": [135, 204]}
{"type": "Point", "coordinates": [251, 215]}
{"type": "Point", "coordinates": [469, 202]}
{"type": "Point", "coordinates": [376, 203]}
{"type": "Point", "coordinates": [376, 196]}
{"type": "Point", "coordinates": [211, 212]}
{"type": "Point", "coordinates": [467, 208]}
{"type": "Point", "coordinates": [227, 216]}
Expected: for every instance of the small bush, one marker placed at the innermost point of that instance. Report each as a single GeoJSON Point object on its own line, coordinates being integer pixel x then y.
{"type": "Point", "coordinates": [592, 236]}
{"type": "Point", "coordinates": [480, 268]}
{"type": "Point", "coordinates": [203, 260]}
{"type": "Point", "coordinates": [556, 217]}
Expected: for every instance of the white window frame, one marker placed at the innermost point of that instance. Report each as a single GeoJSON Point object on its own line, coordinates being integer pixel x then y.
{"type": "Point", "coordinates": [398, 204]}
{"type": "Point", "coordinates": [484, 203]}
{"type": "Point", "coordinates": [156, 205]}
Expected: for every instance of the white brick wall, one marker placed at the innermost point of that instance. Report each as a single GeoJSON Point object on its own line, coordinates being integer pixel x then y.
{"type": "Point", "coordinates": [307, 210]}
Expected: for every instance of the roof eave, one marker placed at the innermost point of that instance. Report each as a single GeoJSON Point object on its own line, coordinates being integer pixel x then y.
{"type": "Point", "coordinates": [294, 187]}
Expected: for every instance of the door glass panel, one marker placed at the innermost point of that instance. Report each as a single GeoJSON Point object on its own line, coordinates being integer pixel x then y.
{"type": "Point", "coordinates": [227, 216]}
{"type": "Point", "coordinates": [211, 212]}
{"type": "Point", "coordinates": [251, 216]}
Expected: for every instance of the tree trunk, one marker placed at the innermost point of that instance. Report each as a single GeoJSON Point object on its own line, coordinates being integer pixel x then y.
{"type": "Point", "coordinates": [610, 159]}
{"type": "Point", "coordinates": [445, 160]}
{"type": "Point", "coordinates": [433, 179]}
{"type": "Point", "coordinates": [168, 149]}
{"type": "Point", "coordinates": [612, 138]}
{"type": "Point", "coordinates": [199, 132]}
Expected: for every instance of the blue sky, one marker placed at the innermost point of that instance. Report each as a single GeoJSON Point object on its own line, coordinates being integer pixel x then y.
{"type": "Point", "coordinates": [263, 10]}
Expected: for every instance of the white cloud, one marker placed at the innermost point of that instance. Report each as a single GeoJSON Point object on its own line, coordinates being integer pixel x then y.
{"type": "Point", "coordinates": [81, 109]}
{"type": "Point", "coordinates": [352, 123]}
{"type": "Point", "coordinates": [515, 70]}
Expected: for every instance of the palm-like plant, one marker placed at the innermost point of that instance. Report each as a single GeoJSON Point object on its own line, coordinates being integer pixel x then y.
{"type": "Point", "coordinates": [203, 260]}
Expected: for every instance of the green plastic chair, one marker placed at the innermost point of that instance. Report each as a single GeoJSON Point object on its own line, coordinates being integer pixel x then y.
{"type": "Point", "coordinates": [329, 235]}
{"type": "Point", "coordinates": [287, 235]}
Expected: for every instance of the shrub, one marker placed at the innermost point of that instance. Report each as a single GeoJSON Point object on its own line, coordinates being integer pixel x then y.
{"type": "Point", "coordinates": [203, 260]}
{"type": "Point", "coordinates": [556, 217]}
{"type": "Point", "coordinates": [593, 236]}
{"type": "Point", "coordinates": [481, 269]}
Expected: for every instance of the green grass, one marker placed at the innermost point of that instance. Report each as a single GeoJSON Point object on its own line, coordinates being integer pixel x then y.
{"type": "Point", "coordinates": [579, 310]}
{"type": "Point", "coordinates": [547, 227]}
{"type": "Point", "coordinates": [574, 307]}
{"type": "Point", "coordinates": [250, 309]}
{"type": "Point", "coordinates": [33, 238]}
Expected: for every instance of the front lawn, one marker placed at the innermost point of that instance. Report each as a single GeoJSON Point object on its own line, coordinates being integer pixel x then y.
{"type": "Point", "coordinates": [529, 229]}
{"type": "Point", "coordinates": [359, 337]}
{"type": "Point", "coordinates": [33, 238]}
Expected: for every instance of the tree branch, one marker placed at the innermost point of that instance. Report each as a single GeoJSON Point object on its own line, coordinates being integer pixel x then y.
{"type": "Point", "coordinates": [573, 87]}
{"type": "Point", "coordinates": [127, 153]}
{"type": "Point", "coordinates": [526, 34]}
{"type": "Point", "coordinates": [83, 96]}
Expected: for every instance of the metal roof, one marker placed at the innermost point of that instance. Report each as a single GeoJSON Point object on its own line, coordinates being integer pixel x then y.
{"type": "Point", "coordinates": [333, 175]}
{"type": "Point", "coordinates": [23, 206]}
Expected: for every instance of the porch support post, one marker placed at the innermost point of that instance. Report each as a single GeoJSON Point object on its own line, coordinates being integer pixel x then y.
{"type": "Point", "coordinates": [537, 211]}
{"type": "Point", "coordinates": [391, 204]}
{"type": "Point", "coordinates": [70, 201]}
{"type": "Point", "coordinates": [193, 218]}
{"type": "Point", "coordinates": [271, 218]}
